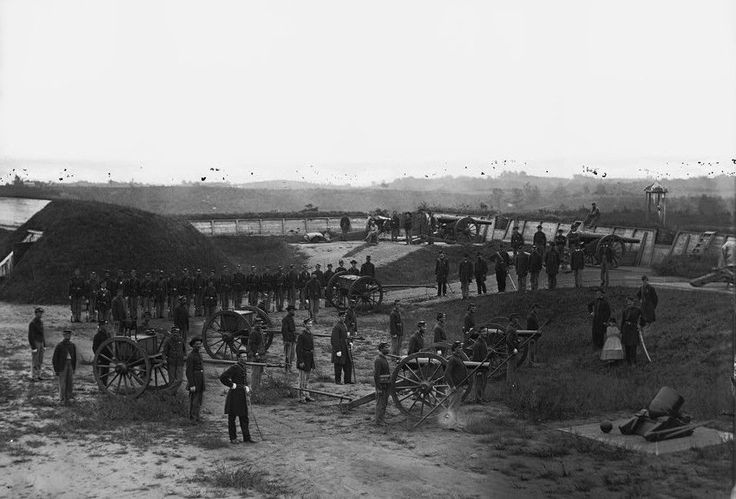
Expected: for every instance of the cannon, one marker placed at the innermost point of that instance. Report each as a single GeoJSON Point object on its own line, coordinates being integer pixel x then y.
{"type": "Point", "coordinates": [459, 229]}
{"type": "Point", "coordinates": [366, 291]}
{"type": "Point", "coordinates": [721, 274]}
{"type": "Point", "coordinates": [127, 366]}
{"type": "Point", "coordinates": [594, 243]}
{"type": "Point", "coordinates": [227, 331]}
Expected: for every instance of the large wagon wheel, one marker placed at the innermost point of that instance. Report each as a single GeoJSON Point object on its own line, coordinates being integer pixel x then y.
{"type": "Point", "coordinates": [227, 331]}
{"type": "Point", "coordinates": [418, 383]}
{"type": "Point", "coordinates": [160, 379]}
{"type": "Point", "coordinates": [367, 292]}
{"type": "Point", "coordinates": [336, 295]}
{"type": "Point", "coordinates": [616, 244]}
{"type": "Point", "coordinates": [463, 230]}
{"type": "Point", "coordinates": [122, 367]}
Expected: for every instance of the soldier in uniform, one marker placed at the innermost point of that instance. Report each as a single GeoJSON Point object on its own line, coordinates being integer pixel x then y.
{"type": "Point", "coordinates": [64, 361]}
{"type": "Point", "coordinates": [395, 329]}
{"type": "Point", "coordinates": [648, 296]}
{"type": "Point", "coordinates": [540, 238]}
{"type": "Point", "coordinates": [92, 286]}
{"type": "Point", "coordinates": [481, 270]}
{"type": "Point", "coordinates": [480, 353]}
{"type": "Point", "coordinates": [181, 317]}
{"type": "Point", "coordinates": [252, 285]}
{"type": "Point", "coordinates": [501, 267]}
{"type": "Point", "coordinates": [172, 292]}
{"type": "Point", "coordinates": [368, 268]}
{"type": "Point", "coordinates": [469, 323]}
{"type": "Point", "coordinates": [600, 311]}
{"type": "Point", "coordinates": [341, 354]}
{"type": "Point", "coordinates": [236, 403]}
{"type": "Point", "coordinates": [456, 375]}
{"type": "Point", "coordinates": [279, 282]}
{"type": "Point", "coordinates": [408, 226]}
{"type": "Point", "coordinates": [326, 278]}
{"type": "Point", "coordinates": [146, 292]}
{"type": "Point", "coordinates": [195, 378]}
{"type": "Point", "coordinates": [353, 270]}
{"type": "Point", "coordinates": [465, 273]}
{"type": "Point", "coordinates": [37, 340]}
{"type": "Point", "coordinates": [395, 226]}
{"type": "Point", "coordinates": [305, 359]}
{"type": "Point", "coordinates": [174, 353]}
{"type": "Point", "coordinates": [313, 291]}
{"type": "Point", "coordinates": [441, 272]}
{"type": "Point", "coordinates": [199, 284]}
{"type": "Point", "coordinates": [288, 335]}
{"type": "Point", "coordinates": [210, 299]}
{"type": "Point", "coordinates": [224, 288]}
{"type": "Point", "coordinates": [186, 286]}
{"type": "Point", "coordinates": [631, 320]}
{"type": "Point", "coordinates": [561, 244]}
{"type": "Point", "coordinates": [381, 378]}
{"type": "Point", "coordinates": [340, 267]}
{"type": "Point", "coordinates": [517, 240]}
{"type": "Point", "coordinates": [521, 264]}
{"type": "Point", "coordinates": [301, 283]}
{"type": "Point", "coordinates": [102, 302]}
{"type": "Point", "coordinates": [267, 287]}
{"type": "Point", "coordinates": [161, 291]}
{"type": "Point", "coordinates": [76, 295]}
{"type": "Point", "coordinates": [535, 266]}
{"type": "Point", "coordinates": [111, 283]}
{"type": "Point", "coordinates": [119, 312]}
{"type": "Point", "coordinates": [132, 292]}
{"type": "Point", "coordinates": [577, 264]}
{"type": "Point", "coordinates": [416, 341]}
{"type": "Point", "coordinates": [607, 261]}
{"type": "Point", "coordinates": [440, 333]}
{"type": "Point", "coordinates": [291, 280]}
{"type": "Point", "coordinates": [552, 265]}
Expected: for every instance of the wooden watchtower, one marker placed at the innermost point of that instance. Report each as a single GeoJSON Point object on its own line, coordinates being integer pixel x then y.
{"type": "Point", "coordinates": [656, 195]}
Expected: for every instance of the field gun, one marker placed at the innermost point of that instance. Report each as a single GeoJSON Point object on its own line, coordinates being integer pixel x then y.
{"type": "Point", "coordinates": [366, 291]}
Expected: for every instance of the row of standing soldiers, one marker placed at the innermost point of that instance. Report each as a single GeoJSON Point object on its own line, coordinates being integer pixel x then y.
{"type": "Point", "coordinates": [158, 296]}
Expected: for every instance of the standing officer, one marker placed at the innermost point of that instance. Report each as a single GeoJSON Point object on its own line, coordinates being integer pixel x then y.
{"type": "Point", "coordinates": [456, 375]}
{"type": "Point", "coordinates": [552, 264]}
{"type": "Point", "coordinates": [291, 280]}
{"type": "Point", "coordinates": [102, 302]}
{"type": "Point", "coordinates": [441, 272]}
{"type": "Point", "coordinates": [91, 287]}
{"type": "Point", "coordinates": [252, 285]}
{"type": "Point", "coordinates": [174, 353]}
{"type": "Point", "coordinates": [76, 295]}
{"type": "Point", "coordinates": [395, 328]}
{"type": "Point", "coordinates": [340, 267]}
{"type": "Point", "coordinates": [64, 361]}
{"type": "Point", "coordinates": [395, 226]}
{"type": "Point", "coordinates": [37, 340]}
{"type": "Point", "coordinates": [502, 267]}
{"type": "Point", "coordinates": [577, 264]}
{"type": "Point", "coordinates": [607, 261]}
{"type": "Point", "coordinates": [341, 355]}
{"type": "Point", "coordinates": [540, 238]}
{"type": "Point", "coordinates": [535, 266]}
{"type": "Point", "coordinates": [368, 268]}
{"type": "Point", "coordinates": [481, 270]}
{"type": "Point", "coordinates": [631, 320]}
{"type": "Point", "coordinates": [236, 403]}
{"type": "Point", "coordinates": [181, 317]}
{"type": "Point", "coordinates": [600, 311]}
{"type": "Point", "coordinates": [521, 264]}
{"type": "Point", "coordinates": [440, 333]}
{"type": "Point", "coordinates": [353, 270]}
{"type": "Point", "coordinates": [301, 284]}
{"type": "Point", "coordinates": [305, 359]}
{"type": "Point", "coordinates": [195, 379]}
{"type": "Point", "coordinates": [416, 341]}
{"type": "Point", "coordinates": [648, 296]}
{"type": "Point", "coordinates": [210, 299]}
{"type": "Point", "coordinates": [313, 291]}
{"type": "Point", "coordinates": [465, 273]}
{"type": "Point", "coordinates": [381, 378]}
{"type": "Point", "coordinates": [288, 335]}
{"type": "Point", "coordinates": [517, 240]}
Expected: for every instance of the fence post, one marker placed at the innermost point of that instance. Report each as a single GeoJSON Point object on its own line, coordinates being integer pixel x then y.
{"type": "Point", "coordinates": [212, 227]}
{"type": "Point", "coordinates": [283, 229]}
{"type": "Point", "coordinates": [236, 227]}
{"type": "Point", "coordinates": [260, 226]}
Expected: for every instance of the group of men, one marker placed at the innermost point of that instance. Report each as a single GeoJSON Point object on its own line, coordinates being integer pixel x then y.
{"type": "Point", "coordinates": [126, 296]}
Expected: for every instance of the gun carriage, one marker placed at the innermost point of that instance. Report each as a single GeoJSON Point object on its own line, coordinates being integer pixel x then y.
{"type": "Point", "coordinates": [227, 331]}
{"type": "Point", "coordinates": [594, 243]}
{"type": "Point", "coordinates": [366, 291]}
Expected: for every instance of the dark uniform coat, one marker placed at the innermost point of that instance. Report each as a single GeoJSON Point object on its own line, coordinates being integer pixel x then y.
{"type": "Point", "coordinates": [552, 261]}
{"type": "Point", "coordinates": [339, 341]}
{"type": "Point", "coordinates": [368, 269]}
{"type": "Point", "coordinates": [522, 263]}
{"type": "Point", "coordinates": [648, 297]}
{"type": "Point", "coordinates": [631, 319]}
{"type": "Point", "coordinates": [480, 350]}
{"type": "Point", "coordinates": [540, 239]}
{"type": "Point", "coordinates": [235, 402]}
{"type": "Point", "coordinates": [442, 268]}
{"type": "Point", "coordinates": [288, 329]}
{"type": "Point", "coordinates": [181, 317]}
{"type": "Point", "coordinates": [535, 262]}
{"type": "Point", "coordinates": [440, 335]}
{"type": "Point", "coordinates": [305, 351]}
{"type": "Point", "coordinates": [481, 268]}
{"type": "Point", "coordinates": [35, 333]}
{"type": "Point", "coordinates": [395, 327]}
{"type": "Point", "coordinates": [601, 314]}
{"type": "Point", "coordinates": [195, 371]}
{"type": "Point", "coordinates": [455, 372]}
{"type": "Point", "coordinates": [380, 368]}
{"type": "Point", "coordinates": [465, 271]}
{"type": "Point", "coordinates": [517, 240]}
{"type": "Point", "coordinates": [60, 354]}
{"type": "Point", "coordinates": [577, 259]}
{"type": "Point", "coordinates": [416, 343]}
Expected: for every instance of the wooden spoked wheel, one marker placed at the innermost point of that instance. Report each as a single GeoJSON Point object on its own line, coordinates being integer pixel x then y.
{"type": "Point", "coordinates": [367, 293]}
{"type": "Point", "coordinates": [418, 383]}
{"type": "Point", "coordinates": [337, 295]}
{"type": "Point", "coordinates": [160, 378]}
{"type": "Point", "coordinates": [227, 331]}
{"type": "Point", "coordinates": [616, 244]}
{"type": "Point", "coordinates": [122, 367]}
{"type": "Point", "coordinates": [464, 230]}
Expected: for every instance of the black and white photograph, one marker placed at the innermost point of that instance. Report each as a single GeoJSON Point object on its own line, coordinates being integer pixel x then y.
{"type": "Point", "coordinates": [334, 249]}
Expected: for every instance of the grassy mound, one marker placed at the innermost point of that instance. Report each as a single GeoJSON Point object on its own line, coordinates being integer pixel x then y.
{"type": "Point", "coordinates": [96, 236]}
{"type": "Point", "coordinates": [259, 251]}
{"type": "Point", "coordinates": [685, 265]}
{"type": "Point", "coordinates": [690, 345]}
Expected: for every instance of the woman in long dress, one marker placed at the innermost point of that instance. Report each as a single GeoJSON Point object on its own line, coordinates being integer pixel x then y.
{"type": "Point", "coordinates": [613, 350]}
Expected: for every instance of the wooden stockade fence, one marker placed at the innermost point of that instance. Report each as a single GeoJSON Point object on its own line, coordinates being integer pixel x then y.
{"type": "Point", "coordinates": [272, 226]}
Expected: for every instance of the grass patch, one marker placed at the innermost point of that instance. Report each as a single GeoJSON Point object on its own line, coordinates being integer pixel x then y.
{"type": "Point", "coordinates": [685, 265]}
{"type": "Point", "coordinates": [271, 391]}
{"type": "Point", "coordinates": [242, 478]}
{"type": "Point", "coordinates": [258, 251]}
{"type": "Point", "coordinates": [210, 443]}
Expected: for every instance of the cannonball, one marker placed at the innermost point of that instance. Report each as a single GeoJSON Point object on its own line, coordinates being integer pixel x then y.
{"type": "Point", "coordinates": [606, 426]}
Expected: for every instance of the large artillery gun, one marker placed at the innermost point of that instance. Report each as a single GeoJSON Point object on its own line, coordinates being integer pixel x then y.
{"type": "Point", "coordinates": [595, 243]}
{"type": "Point", "coordinates": [365, 291]}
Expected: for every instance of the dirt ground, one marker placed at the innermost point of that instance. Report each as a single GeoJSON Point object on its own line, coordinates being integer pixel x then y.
{"type": "Point", "coordinates": [307, 450]}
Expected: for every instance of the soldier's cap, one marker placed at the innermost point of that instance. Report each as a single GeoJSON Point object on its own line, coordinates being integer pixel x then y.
{"type": "Point", "coordinates": [456, 345]}
{"type": "Point", "coordinates": [353, 261]}
{"type": "Point", "coordinates": [242, 351]}
{"type": "Point", "coordinates": [516, 227]}
{"type": "Point", "coordinates": [440, 315]}
{"type": "Point", "coordinates": [593, 204]}
{"type": "Point", "coordinates": [368, 257]}
{"type": "Point", "coordinates": [329, 265]}
{"type": "Point", "coordinates": [290, 307]}
{"type": "Point", "coordinates": [66, 331]}
{"type": "Point", "coordinates": [318, 265]}
{"type": "Point", "coordinates": [539, 226]}
{"type": "Point", "coordinates": [422, 323]}
{"type": "Point", "coordinates": [38, 310]}
{"type": "Point", "coordinates": [382, 345]}
{"type": "Point", "coordinates": [644, 278]}
{"type": "Point", "coordinates": [174, 329]}
{"type": "Point", "coordinates": [194, 340]}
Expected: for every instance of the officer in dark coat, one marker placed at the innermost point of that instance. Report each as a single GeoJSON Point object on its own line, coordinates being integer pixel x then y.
{"type": "Point", "coordinates": [305, 359]}
{"type": "Point", "coordinates": [236, 403]}
{"type": "Point", "coordinates": [481, 270]}
{"type": "Point", "coordinates": [552, 264]}
{"type": "Point", "coordinates": [502, 267]}
{"type": "Point", "coordinates": [441, 272]}
{"type": "Point", "coordinates": [535, 266]}
{"type": "Point", "coordinates": [64, 361]}
{"type": "Point", "coordinates": [577, 264]}
{"type": "Point", "coordinates": [353, 270]}
{"type": "Point", "coordinates": [440, 333]}
{"type": "Point", "coordinates": [416, 341]}
{"type": "Point", "coordinates": [540, 238]}
{"type": "Point", "coordinates": [456, 375]}
{"type": "Point", "coordinates": [600, 310]}
{"type": "Point", "coordinates": [76, 295]}
{"type": "Point", "coordinates": [368, 268]}
{"type": "Point", "coordinates": [181, 317]}
{"type": "Point", "coordinates": [174, 354]}
{"type": "Point", "coordinates": [521, 263]}
{"type": "Point", "coordinates": [103, 300]}
{"type": "Point", "coordinates": [395, 328]}
{"type": "Point", "coordinates": [195, 378]}
{"type": "Point", "coordinates": [648, 296]}
{"type": "Point", "coordinates": [104, 360]}
{"type": "Point", "coordinates": [210, 299]}
{"type": "Point", "coordinates": [288, 336]}
{"type": "Point", "coordinates": [37, 341]}
{"type": "Point", "coordinates": [341, 354]}
{"type": "Point", "coordinates": [631, 320]}
{"type": "Point", "coordinates": [517, 240]}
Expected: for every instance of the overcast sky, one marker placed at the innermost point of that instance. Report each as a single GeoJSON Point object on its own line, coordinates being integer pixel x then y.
{"type": "Point", "coordinates": [341, 91]}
